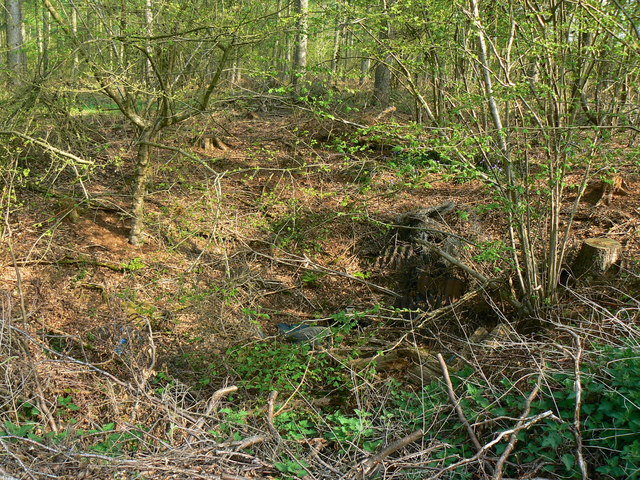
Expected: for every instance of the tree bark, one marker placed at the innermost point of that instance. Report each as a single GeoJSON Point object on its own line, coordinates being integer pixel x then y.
{"type": "Point", "coordinates": [16, 57]}
{"type": "Point", "coordinates": [338, 33]}
{"type": "Point", "coordinates": [140, 187]}
{"type": "Point", "coordinates": [46, 35]}
{"type": "Point", "coordinates": [382, 74]}
{"type": "Point", "coordinates": [300, 58]}
{"type": "Point", "coordinates": [382, 84]}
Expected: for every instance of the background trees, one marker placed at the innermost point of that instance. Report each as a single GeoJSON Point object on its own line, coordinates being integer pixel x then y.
{"type": "Point", "coordinates": [495, 77]}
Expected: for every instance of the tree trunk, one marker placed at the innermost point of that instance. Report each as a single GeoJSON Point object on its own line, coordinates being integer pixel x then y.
{"type": "Point", "coordinates": [382, 74]}
{"type": "Point", "coordinates": [46, 35]}
{"type": "Point", "coordinates": [365, 65]}
{"type": "Point", "coordinates": [337, 37]}
{"type": "Point", "coordinates": [300, 59]}
{"type": "Point", "coordinates": [74, 30]}
{"type": "Point", "coordinates": [140, 187]}
{"type": "Point", "coordinates": [16, 58]}
{"type": "Point", "coordinates": [382, 84]}
{"type": "Point", "coordinates": [148, 18]}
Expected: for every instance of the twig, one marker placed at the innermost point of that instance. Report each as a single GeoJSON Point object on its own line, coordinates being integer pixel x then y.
{"type": "Point", "coordinates": [74, 261]}
{"type": "Point", "coordinates": [271, 414]}
{"type": "Point", "coordinates": [498, 473]}
{"type": "Point", "coordinates": [577, 387]}
{"type": "Point", "coordinates": [370, 466]}
{"type": "Point", "coordinates": [182, 152]}
{"type": "Point", "coordinates": [512, 431]}
{"type": "Point", "coordinates": [306, 263]}
{"type": "Point", "coordinates": [214, 402]}
{"type": "Point", "coordinates": [249, 442]}
{"type": "Point", "coordinates": [47, 146]}
{"type": "Point", "coordinates": [456, 404]}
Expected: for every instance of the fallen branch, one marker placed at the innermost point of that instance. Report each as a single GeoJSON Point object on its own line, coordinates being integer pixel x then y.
{"type": "Point", "coordinates": [214, 402]}
{"type": "Point", "coordinates": [47, 146]}
{"type": "Point", "coordinates": [182, 152]}
{"type": "Point", "coordinates": [498, 472]}
{"type": "Point", "coordinates": [273, 396]}
{"type": "Point", "coordinates": [577, 387]}
{"type": "Point", "coordinates": [73, 261]}
{"type": "Point", "coordinates": [306, 263]}
{"type": "Point", "coordinates": [371, 465]}
{"type": "Point", "coordinates": [456, 404]}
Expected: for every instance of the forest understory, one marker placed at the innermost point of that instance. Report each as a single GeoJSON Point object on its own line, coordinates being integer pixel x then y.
{"type": "Point", "coordinates": [164, 360]}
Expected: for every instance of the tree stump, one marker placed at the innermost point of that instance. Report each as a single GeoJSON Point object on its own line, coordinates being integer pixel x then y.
{"type": "Point", "coordinates": [596, 256]}
{"type": "Point", "coordinates": [211, 142]}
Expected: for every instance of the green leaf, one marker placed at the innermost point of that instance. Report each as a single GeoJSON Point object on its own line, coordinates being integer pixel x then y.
{"type": "Point", "coordinates": [569, 460]}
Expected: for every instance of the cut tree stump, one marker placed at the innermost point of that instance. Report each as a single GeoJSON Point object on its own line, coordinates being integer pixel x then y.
{"type": "Point", "coordinates": [210, 142]}
{"type": "Point", "coordinates": [596, 256]}
{"type": "Point", "coordinates": [602, 192]}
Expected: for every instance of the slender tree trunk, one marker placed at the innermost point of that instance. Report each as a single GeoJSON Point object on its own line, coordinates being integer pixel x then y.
{"type": "Point", "coordinates": [46, 36]}
{"type": "Point", "coordinates": [338, 33]}
{"type": "Point", "coordinates": [300, 59]}
{"type": "Point", "coordinates": [148, 17]}
{"type": "Point", "coordinates": [382, 74]}
{"type": "Point", "coordinates": [365, 65]}
{"type": "Point", "coordinates": [16, 58]}
{"type": "Point", "coordinates": [140, 187]}
{"type": "Point", "coordinates": [74, 31]}
{"type": "Point", "coordinates": [382, 83]}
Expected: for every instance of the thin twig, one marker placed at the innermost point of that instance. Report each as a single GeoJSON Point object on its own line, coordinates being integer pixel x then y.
{"type": "Point", "coordinates": [306, 263]}
{"type": "Point", "coordinates": [498, 473]}
{"type": "Point", "coordinates": [456, 404]}
{"type": "Point", "coordinates": [182, 152]}
{"type": "Point", "coordinates": [214, 402]}
{"type": "Point", "coordinates": [577, 431]}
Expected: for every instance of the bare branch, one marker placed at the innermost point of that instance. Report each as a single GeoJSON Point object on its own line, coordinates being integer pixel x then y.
{"type": "Point", "coordinates": [47, 146]}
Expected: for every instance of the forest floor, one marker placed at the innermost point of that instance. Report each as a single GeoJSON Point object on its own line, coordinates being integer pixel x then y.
{"type": "Point", "coordinates": [285, 225]}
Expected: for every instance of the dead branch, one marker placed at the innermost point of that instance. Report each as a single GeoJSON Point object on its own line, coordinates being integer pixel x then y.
{"type": "Point", "coordinates": [271, 414]}
{"type": "Point", "coordinates": [577, 431]}
{"type": "Point", "coordinates": [306, 263]}
{"type": "Point", "coordinates": [184, 153]}
{"type": "Point", "coordinates": [47, 146]}
{"type": "Point", "coordinates": [498, 473]}
{"type": "Point", "coordinates": [371, 465]}
{"type": "Point", "coordinates": [73, 261]}
{"type": "Point", "coordinates": [214, 403]}
{"type": "Point", "coordinates": [456, 404]}
{"type": "Point", "coordinates": [249, 442]}
{"type": "Point", "coordinates": [506, 433]}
